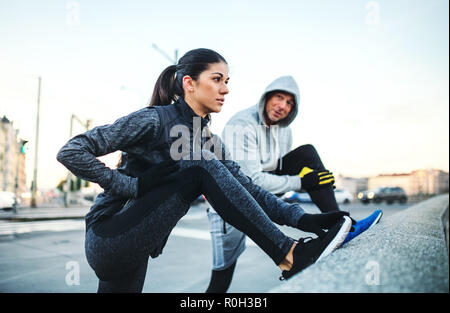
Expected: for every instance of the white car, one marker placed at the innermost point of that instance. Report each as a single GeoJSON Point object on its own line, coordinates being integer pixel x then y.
{"type": "Point", "coordinates": [7, 200]}
{"type": "Point", "coordinates": [343, 196]}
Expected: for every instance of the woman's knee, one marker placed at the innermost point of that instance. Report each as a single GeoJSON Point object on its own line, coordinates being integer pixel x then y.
{"type": "Point", "coordinates": [204, 174]}
{"type": "Point", "coordinates": [208, 162]}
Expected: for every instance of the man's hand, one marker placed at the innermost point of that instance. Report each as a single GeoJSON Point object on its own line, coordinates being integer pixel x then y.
{"type": "Point", "coordinates": [314, 180]}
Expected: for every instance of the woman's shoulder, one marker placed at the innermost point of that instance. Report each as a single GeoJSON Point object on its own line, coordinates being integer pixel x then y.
{"type": "Point", "coordinates": [146, 111]}
{"type": "Point", "coordinates": [147, 114]}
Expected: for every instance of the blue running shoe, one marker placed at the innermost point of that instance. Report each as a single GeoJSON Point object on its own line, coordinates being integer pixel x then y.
{"type": "Point", "coordinates": [363, 225]}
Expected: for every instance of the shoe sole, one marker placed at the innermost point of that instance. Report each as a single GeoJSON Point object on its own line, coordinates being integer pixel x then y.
{"type": "Point", "coordinates": [338, 239]}
{"type": "Point", "coordinates": [376, 220]}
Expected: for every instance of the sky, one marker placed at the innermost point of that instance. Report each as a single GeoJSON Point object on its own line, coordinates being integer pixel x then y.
{"type": "Point", "coordinates": [373, 75]}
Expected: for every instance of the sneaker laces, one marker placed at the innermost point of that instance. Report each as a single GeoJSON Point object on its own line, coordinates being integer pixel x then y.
{"type": "Point", "coordinates": [303, 240]}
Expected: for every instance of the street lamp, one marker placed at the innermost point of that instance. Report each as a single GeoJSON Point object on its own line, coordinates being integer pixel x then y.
{"type": "Point", "coordinates": [175, 58]}
{"type": "Point", "coordinates": [87, 125]}
{"type": "Point", "coordinates": [34, 183]}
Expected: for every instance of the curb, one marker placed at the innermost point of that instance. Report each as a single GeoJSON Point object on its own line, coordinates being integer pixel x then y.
{"type": "Point", "coordinates": [31, 219]}
{"type": "Point", "coordinates": [28, 215]}
{"type": "Point", "coordinates": [445, 225]}
{"type": "Point", "coordinates": [405, 252]}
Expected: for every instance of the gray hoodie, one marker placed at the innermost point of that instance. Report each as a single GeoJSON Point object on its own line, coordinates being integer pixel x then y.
{"type": "Point", "coordinates": [256, 147]}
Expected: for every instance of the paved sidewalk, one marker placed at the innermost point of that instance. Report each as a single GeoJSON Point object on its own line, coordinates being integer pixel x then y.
{"type": "Point", "coordinates": [44, 213]}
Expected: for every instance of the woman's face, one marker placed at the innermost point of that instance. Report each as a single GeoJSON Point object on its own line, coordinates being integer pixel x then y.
{"type": "Point", "coordinates": [207, 93]}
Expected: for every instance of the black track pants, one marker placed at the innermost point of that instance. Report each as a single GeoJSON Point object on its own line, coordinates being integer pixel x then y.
{"type": "Point", "coordinates": [306, 155]}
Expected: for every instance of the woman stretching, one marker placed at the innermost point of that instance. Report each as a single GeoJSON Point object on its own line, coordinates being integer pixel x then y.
{"type": "Point", "coordinates": [155, 182]}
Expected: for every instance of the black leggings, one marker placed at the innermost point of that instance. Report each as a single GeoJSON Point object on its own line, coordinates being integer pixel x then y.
{"type": "Point", "coordinates": [293, 162]}
{"type": "Point", "coordinates": [118, 248]}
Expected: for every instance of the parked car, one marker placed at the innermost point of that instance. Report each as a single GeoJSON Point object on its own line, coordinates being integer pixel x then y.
{"type": "Point", "coordinates": [8, 200]}
{"type": "Point", "coordinates": [296, 197]}
{"type": "Point", "coordinates": [388, 194]}
{"type": "Point", "coordinates": [342, 196]}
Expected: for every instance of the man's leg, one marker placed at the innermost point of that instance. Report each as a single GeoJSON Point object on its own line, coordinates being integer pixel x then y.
{"type": "Point", "coordinates": [306, 155]}
{"type": "Point", "coordinates": [221, 279]}
{"type": "Point", "coordinates": [228, 243]}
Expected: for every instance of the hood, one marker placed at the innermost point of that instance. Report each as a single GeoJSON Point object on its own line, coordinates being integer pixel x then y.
{"type": "Point", "coordinates": [283, 83]}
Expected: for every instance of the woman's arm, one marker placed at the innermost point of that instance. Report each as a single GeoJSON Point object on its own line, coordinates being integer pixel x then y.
{"type": "Point", "coordinates": [80, 153]}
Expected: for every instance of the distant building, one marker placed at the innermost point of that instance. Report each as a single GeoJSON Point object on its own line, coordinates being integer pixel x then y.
{"type": "Point", "coordinates": [353, 185]}
{"type": "Point", "coordinates": [12, 161]}
{"type": "Point", "coordinates": [429, 182]}
{"type": "Point", "coordinates": [391, 180]}
{"type": "Point", "coordinates": [419, 182]}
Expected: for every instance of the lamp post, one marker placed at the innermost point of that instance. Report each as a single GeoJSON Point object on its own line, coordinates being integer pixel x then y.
{"type": "Point", "coordinates": [87, 125]}
{"type": "Point", "coordinates": [175, 54]}
{"type": "Point", "coordinates": [36, 151]}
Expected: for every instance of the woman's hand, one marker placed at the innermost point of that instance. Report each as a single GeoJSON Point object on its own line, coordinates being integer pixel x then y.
{"type": "Point", "coordinates": [315, 223]}
{"type": "Point", "coordinates": [156, 176]}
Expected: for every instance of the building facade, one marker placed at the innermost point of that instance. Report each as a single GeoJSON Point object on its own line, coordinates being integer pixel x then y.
{"type": "Point", "coordinates": [353, 185]}
{"type": "Point", "coordinates": [12, 160]}
{"type": "Point", "coordinates": [428, 182]}
{"type": "Point", "coordinates": [419, 182]}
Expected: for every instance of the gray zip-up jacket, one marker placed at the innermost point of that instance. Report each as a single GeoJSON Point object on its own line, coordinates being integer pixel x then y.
{"type": "Point", "coordinates": [256, 147]}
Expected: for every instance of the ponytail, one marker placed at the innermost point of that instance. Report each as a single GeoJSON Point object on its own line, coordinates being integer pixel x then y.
{"type": "Point", "coordinates": [165, 90]}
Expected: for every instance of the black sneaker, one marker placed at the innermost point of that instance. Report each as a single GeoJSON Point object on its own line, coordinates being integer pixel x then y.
{"type": "Point", "coordinates": [309, 252]}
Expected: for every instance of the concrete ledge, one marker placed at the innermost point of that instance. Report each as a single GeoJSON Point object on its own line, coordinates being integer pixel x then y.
{"type": "Point", "coordinates": [445, 224]}
{"type": "Point", "coordinates": [406, 252]}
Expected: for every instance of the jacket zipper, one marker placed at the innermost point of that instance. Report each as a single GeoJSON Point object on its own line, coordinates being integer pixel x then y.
{"type": "Point", "coordinates": [224, 227]}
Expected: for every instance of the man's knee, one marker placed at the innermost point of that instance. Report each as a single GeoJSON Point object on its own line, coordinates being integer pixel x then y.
{"type": "Point", "coordinates": [308, 151]}
{"type": "Point", "coordinates": [308, 148]}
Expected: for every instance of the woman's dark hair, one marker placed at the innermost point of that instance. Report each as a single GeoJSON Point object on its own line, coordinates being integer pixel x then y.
{"type": "Point", "coordinates": [169, 85]}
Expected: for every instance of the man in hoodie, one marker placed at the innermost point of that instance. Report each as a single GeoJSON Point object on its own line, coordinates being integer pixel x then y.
{"type": "Point", "coordinates": [260, 140]}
